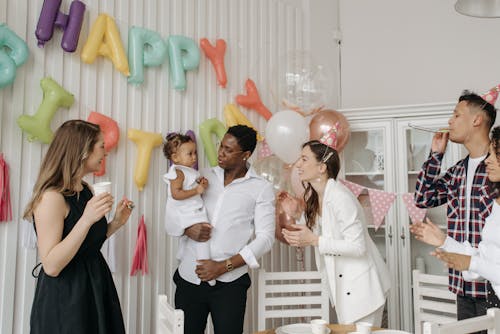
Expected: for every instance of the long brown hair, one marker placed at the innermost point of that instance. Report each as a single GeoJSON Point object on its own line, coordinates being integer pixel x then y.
{"type": "Point", "coordinates": [330, 157]}
{"type": "Point", "coordinates": [62, 166]}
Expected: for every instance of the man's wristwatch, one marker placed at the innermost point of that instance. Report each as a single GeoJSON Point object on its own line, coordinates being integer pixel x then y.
{"type": "Point", "coordinates": [229, 265]}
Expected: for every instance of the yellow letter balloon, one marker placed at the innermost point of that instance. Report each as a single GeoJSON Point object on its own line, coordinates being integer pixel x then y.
{"type": "Point", "coordinates": [38, 125]}
{"type": "Point", "coordinates": [104, 40]}
{"type": "Point", "coordinates": [234, 116]}
{"type": "Point", "coordinates": [146, 142]}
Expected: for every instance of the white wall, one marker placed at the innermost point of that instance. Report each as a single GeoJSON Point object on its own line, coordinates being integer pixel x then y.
{"type": "Point", "coordinates": [258, 33]}
{"type": "Point", "coordinates": [410, 52]}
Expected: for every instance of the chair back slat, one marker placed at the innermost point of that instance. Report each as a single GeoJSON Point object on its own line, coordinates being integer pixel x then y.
{"type": "Point", "coordinates": [296, 294]}
{"type": "Point", "coordinates": [432, 301]}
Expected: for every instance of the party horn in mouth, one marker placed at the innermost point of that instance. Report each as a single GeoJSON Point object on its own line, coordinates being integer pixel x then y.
{"type": "Point", "coordinates": [422, 128]}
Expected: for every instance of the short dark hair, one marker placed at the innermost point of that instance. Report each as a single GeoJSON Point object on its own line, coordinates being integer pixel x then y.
{"type": "Point", "coordinates": [245, 135]}
{"type": "Point", "coordinates": [173, 141]}
{"type": "Point", "coordinates": [475, 100]}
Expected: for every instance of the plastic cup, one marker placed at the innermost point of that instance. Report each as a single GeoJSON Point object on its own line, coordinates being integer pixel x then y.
{"type": "Point", "coordinates": [363, 327]}
{"type": "Point", "coordinates": [102, 187]}
{"type": "Point", "coordinates": [318, 326]}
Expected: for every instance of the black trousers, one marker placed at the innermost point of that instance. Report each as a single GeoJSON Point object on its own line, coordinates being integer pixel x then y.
{"type": "Point", "coordinates": [469, 307]}
{"type": "Point", "coordinates": [226, 302]}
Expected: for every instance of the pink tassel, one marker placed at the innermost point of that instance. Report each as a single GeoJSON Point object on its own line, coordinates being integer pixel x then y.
{"type": "Point", "coordinates": [5, 207]}
{"type": "Point", "coordinates": [140, 260]}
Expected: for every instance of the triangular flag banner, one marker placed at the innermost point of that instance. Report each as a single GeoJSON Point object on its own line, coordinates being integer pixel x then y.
{"type": "Point", "coordinates": [355, 188]}
{"type": "Point", "coordinates": [264, 150]}
{"type": "Point", "coordinates": [5, 207]}
{"type": "Point", "coordinates": [140, 260]}
{"type": "Point", "coordinates": [415, 213]}
{"type": "Point", "coordinates": [380, 202]}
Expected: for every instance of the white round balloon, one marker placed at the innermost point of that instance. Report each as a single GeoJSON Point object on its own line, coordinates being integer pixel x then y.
{"type": "Point", "coordinates": [286, 131]}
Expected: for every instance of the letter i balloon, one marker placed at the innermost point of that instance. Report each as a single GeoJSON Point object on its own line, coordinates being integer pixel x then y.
{"type": "Point", "coordinates": [38, 126]}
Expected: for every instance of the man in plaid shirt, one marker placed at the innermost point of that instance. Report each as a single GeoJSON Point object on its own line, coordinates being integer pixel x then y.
{"type": "Point", "coordinates": [464, 187]}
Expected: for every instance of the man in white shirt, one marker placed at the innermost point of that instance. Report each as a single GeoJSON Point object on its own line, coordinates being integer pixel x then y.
{"type": "Point", "coordinates": [239, 204]}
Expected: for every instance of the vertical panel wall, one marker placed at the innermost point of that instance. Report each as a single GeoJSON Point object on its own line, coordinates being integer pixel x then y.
{"type": "Point", "coordinates": [258, 34]}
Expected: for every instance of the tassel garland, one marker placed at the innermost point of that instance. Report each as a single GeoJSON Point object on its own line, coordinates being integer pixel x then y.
{"type": "Point", "coordinates": [140, 260]}
{"type": "Point", "coordinates": [5, 207]}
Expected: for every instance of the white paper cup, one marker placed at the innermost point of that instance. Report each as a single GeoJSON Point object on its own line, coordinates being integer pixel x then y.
{"type": "Point", "coordinates": [363, 327]}
{"type": "Point", "coordinates": [318, 326]}
{"type": "Point", "coordinates": [102, 187]}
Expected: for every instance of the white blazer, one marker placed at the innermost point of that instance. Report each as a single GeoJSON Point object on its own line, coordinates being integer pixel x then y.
{"type": "Point", "coordinates": [356, 274]}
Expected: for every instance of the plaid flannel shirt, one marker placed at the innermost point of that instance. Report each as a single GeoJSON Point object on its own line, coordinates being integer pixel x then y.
{"type": "Point", "coordinates": [434, 190]}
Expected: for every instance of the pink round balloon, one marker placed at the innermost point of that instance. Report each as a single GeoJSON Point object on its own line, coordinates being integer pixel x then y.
{"type": "Point", "coordinates": [324, 121]}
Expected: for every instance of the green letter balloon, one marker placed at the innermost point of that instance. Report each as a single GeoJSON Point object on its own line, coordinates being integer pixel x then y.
{"type": "Point", "coordinates": [38, 126]}
{"type": "Point", "coordinates": [207, 128]}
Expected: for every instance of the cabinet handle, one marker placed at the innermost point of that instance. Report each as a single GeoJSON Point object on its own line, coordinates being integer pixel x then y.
{"type": "Point", "coordinates": [403, 236]}
{"type": "Point", "coordinates": [390, 235]}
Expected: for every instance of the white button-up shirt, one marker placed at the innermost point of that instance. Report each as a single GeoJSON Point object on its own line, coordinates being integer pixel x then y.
{"type": "Point", "coordinates": [237, 211]}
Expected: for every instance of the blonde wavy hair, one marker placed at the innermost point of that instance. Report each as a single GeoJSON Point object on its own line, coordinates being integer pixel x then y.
{"type": "Point", "coordinates": [62, 166]}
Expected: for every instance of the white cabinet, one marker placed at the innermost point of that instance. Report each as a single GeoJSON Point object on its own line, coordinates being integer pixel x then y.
{"type": "Point", "coordinates": [385, 153]}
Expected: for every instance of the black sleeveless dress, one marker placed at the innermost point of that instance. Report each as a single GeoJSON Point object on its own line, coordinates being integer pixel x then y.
{"type": "Point", "coordinates": [83, 298]}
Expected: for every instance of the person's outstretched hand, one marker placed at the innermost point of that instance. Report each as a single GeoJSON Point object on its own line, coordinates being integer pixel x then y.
{"type": "Point", "coordinates": [428, 232]}
{"type": "Point", "coordinates": [455, 261]}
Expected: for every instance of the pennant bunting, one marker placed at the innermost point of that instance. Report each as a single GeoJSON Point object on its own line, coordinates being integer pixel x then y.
{"type": "Point", "coordinates": [140, 260]}
{"type": "Point", "coordinates": [381, 201]}
{"type": "Point", "coordinates": [355, 188]}
{"type": "Point", "coordinates": [416, 214]}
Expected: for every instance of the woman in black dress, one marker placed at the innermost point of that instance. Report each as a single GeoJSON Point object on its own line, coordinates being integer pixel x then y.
{"type": "Point", "coordinates": [75, 292]}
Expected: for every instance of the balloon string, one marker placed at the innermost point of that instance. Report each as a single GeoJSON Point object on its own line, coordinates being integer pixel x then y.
{"type": "Point", "coordinates": [288, 105]}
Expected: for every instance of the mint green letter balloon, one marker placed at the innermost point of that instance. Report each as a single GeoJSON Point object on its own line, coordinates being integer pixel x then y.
{"type": "Point", "coordinates": [183, 55]}
{"type": "Point", "coordinates": [13, 53]}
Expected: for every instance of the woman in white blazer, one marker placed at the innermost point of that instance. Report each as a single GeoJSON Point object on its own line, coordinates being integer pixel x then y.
{"type": "Point", "coordinates": [356, 274]}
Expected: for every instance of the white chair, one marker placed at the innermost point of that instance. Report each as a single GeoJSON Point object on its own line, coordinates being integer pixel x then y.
{"type": "Point", "coordinates": [292, 294]}
{"type": "Point", "coordinates": [490, 321]}
{"type": "Point", "coordinates": [168, 319]}
{"type": "Point", "coordinates": [432, 301]}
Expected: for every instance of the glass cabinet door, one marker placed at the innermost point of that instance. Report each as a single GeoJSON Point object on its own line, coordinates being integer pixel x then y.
{"type": "Point", "coordinates": [413, 149]}
{"type": "Point", "coordinates": [367, 161]}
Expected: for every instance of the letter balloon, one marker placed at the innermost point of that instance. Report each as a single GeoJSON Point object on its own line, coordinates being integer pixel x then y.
{"type": "Point", "coordinates": [234, 116]}
{"type": "Point", "coordinates": [111, 133]}
{"type": "Point", "coordinates": [252, 100]}
{"type": "Point", "coordinates": [104, 40]}
{"type": "Point", "coordinates": [216, 56]}
{"type": "Point", "coordinates": [146, 142]}
{"type": "Point", "coordinates": [145, 48]}
{"type": "Point", "coordinates": [71, 24]}
{"type": "Point", "coordinates": [13, 53]}
{"type": "Point", "coordinates": [207, 128]}
{"type": "Point", "coordinates": [183, 55]}
{"type": "Point", "coordinates": [38, 125]}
